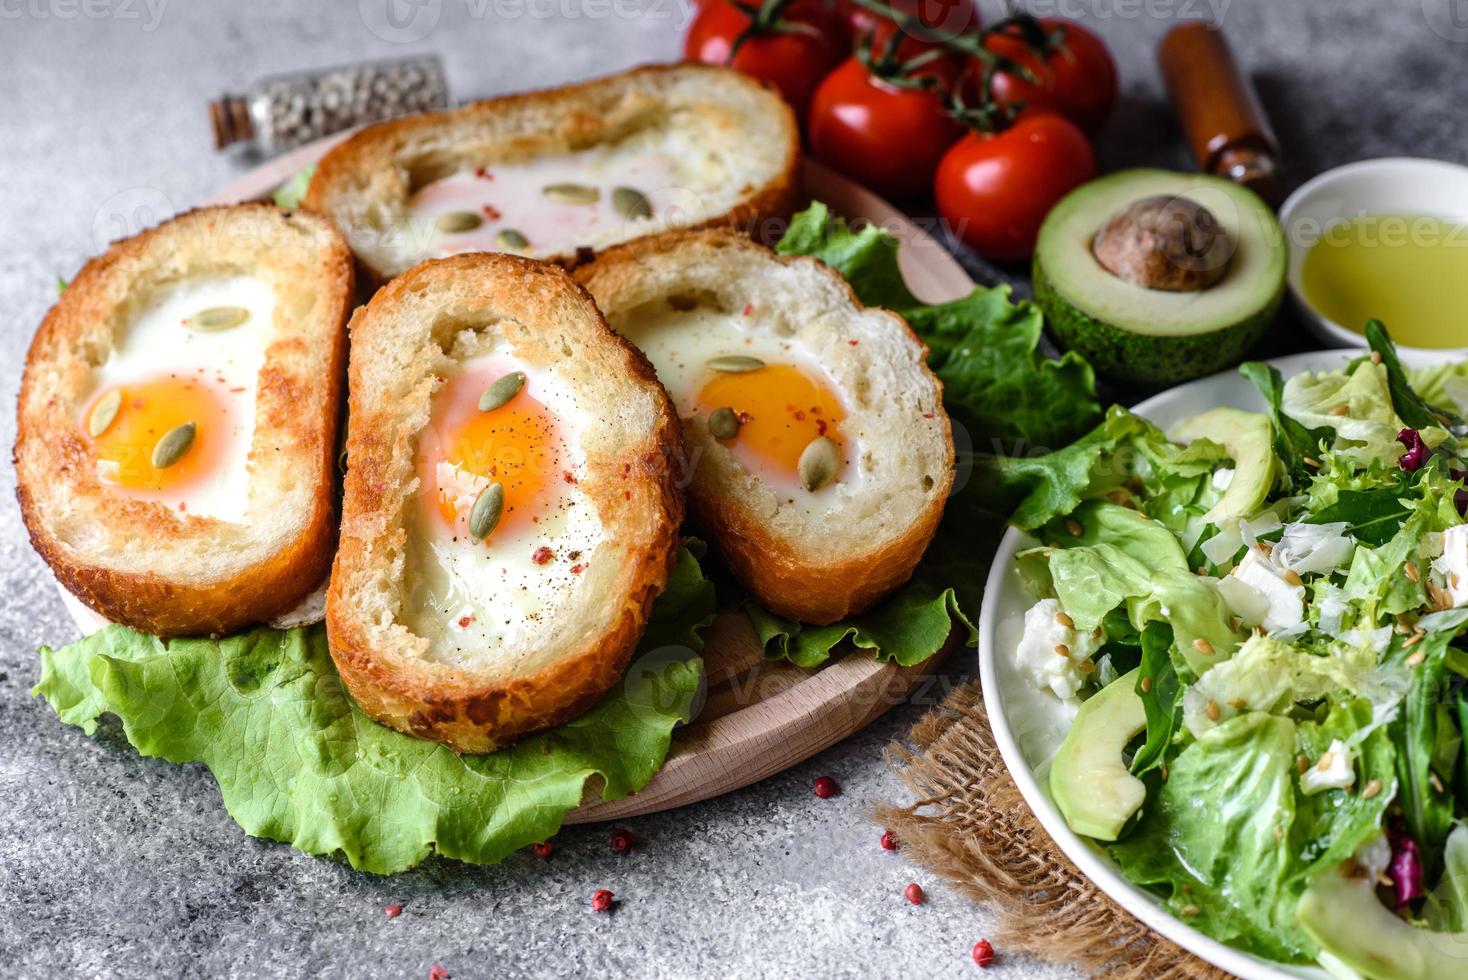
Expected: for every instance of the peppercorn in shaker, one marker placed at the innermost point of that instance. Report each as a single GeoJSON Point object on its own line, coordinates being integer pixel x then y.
{"type": "Point", "coordinates": [288, 110]}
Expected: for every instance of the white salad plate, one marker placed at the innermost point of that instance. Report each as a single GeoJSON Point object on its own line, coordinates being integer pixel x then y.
{"type": "Point", "coordinates": [1029, 723]}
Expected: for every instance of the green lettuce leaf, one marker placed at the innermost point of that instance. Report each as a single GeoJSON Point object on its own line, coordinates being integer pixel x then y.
{"type": "Point", "coordinates": [1419, 733]}
{"type": "Point", "coordinates": [1106, 554]}
{"type": "Point", "coordinates": [984, 348]}
{"type": "Point", "coordinates": [1372, 516]}
{"type": "Point", "coordinates": [1293, 442]}
{"type": "Point", "coordinates": [297, 761]}
{"type": "Point", "coordinates": [1369, 426]}
{"type": "Point", "coordinates": [292, 192]}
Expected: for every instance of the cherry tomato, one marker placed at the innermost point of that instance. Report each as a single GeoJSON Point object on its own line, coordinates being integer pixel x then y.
{"type": "Point", "coordinates": [794, 61]}
{"type": "Point", "coordinates": [995, 189]}
{"type": "Point", "coordinates": [947, 17]}
{"type": "Point", "coordinates": [1077, 80]}
{"type": "Point", "coordinates": [885, 136]}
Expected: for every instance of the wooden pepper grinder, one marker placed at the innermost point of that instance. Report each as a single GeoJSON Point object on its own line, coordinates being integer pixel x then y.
{"type": "Point", "coordinates": [1219, 109]}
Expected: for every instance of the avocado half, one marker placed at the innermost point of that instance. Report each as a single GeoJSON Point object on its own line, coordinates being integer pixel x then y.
{"type": "Point", "coordinates": [1156, 336]}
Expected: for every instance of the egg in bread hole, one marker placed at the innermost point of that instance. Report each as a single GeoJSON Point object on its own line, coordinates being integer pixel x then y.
{"type": "Point", "coordinates": [510, 510]}
{"type": "Point", "coordinates": [171, 410]}
{"type": "Point", "coordinates": [553, 204]}
{"type": "Point", "coordinates": [820, 456]}
{"type": "Point", "coordinates": [501, 530]}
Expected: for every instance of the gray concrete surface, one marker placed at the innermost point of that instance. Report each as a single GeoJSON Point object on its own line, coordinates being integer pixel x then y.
{"type": "Point", "coordinates": [111, 865]}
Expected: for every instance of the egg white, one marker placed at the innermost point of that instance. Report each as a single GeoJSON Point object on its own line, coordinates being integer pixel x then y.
{"type": "Point", "coordinates": [680, 343]}
{"type": "Point", "coordinates": [157, 344]}
{"type": "Point", "coordinates": [491, 602]}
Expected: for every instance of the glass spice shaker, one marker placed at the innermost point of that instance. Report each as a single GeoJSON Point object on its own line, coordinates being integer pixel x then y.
{"type": "Point", "coordinates": [285, 111]}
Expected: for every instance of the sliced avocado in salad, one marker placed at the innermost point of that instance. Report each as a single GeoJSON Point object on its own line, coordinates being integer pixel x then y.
{"type": "Point", "coordinates": [1089, 779]}
{"type": "Point", "coordinates": [1158, 277]}
{"type": "Point", "coordinates": [1249, 439]}
{"type": "Point", "coordinates": [1341, 911]}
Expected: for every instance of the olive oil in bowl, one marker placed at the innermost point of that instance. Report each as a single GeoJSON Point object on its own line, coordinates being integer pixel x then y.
{"type": "Point", "coordinates": [1408, 271]}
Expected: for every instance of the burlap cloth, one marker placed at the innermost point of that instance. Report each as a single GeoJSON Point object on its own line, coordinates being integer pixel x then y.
{"type": "Point", "coordinates": [971, 826]}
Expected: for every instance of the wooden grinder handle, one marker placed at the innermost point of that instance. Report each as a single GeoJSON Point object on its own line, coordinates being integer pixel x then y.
{"type": "Point", "coordinates": [1219, 109]}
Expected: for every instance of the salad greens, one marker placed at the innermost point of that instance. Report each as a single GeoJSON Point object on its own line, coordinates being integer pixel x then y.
{"type": "Point", "coordinates": [297, 761]}
{"type": "Point", "coordinates": [1000, 392]}
{"type": "Point", "coordinates": [1303, 666]}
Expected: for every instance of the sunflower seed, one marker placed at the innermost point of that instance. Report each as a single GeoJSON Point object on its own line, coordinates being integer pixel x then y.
{"type": "Point", "coordinates": [217, 318]}
{"type": "Point", "coordinates": [455, 222]}
{"type": "Point", "coordinates": [631, 203]}
{"type": "Point", "coordinates": [176, 442]}
{"type": "Point", "coordinates": [510, 238]}
{"type": "Point", "coordinates": [818, 463]}
{"type": "Point", "coordinates": [501, 391]}
{"type": "Point", "coordinates": [724, 423]}
{"type": "Point", "coordinates": [485, 514]}
{"type": "Point", "coordinates": [571, 193]}
{"type": "Point", "coordinates": [735, 364]}
{"type": "Point", "coordinates": [104, 412]}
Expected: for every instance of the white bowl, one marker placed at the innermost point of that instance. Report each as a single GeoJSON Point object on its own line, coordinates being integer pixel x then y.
{"type": "Point", "coordinates": [1390, 185]}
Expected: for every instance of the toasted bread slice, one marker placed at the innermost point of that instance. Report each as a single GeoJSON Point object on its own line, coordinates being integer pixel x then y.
{"type": "Point", "coordinates": [566, 170]}
{"type": "Point", "coordinates": [832, 370]}
{"type": "Point", "coordinates": [471, 635]}
{"type": "Point", "coordinates": [238, 526]}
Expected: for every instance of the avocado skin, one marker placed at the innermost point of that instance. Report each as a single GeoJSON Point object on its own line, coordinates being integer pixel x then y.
{"type": "Point", "coordinates": [1138, 359]}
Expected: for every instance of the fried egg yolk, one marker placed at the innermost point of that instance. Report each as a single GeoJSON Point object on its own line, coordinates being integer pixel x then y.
{"type": "Point", "coordinates": [781, 409]}
{"type": "Point", "coordinates": [518, 445]}
{"type": "Point", "coordinates": [146, 412]}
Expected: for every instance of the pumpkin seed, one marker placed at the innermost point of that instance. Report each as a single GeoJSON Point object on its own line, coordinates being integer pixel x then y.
{"type": "Point", "coordinates": [510, 238]}
{"type": "Point", "coordinates": [818, 463]}
{"type": "Point", "coordinates": [485, 514]}
{"type": "Point", "coordinates": [501, 391]}
{"type": "Point", "coordinates": [571, 193]}
{"type": "Point", "coordinates": [724, 423]}
{"type": "Point", "coordinates": [104, 412]}
{"type": "Point", "coordinates": [176, 442]}
{"type": "Point", "coordinates": [458, 221]}
{"type": "Point", "coordinates": [735, 364]}
{"type": "Point", "coordinates": [217, 318]}
{"type": "Point", "coordinates": [631, 203]}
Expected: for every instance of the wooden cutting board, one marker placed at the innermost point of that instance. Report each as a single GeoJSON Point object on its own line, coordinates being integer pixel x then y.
{"type": "Point", "coordinates": [759, 717]}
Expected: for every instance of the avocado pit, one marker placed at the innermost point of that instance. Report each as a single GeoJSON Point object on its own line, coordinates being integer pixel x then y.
{"type": "Point", "coordinates": [1169, 243]}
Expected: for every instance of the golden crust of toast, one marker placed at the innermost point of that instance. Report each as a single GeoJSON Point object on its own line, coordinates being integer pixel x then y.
{"type": "Point", "coordinates": [402, 345]}
{"type": "Point", "coordinates": [142, 563]}
{"type": "Point", "coordinates": [816, 571]}
{"type": "Point", "coordinates": [364, 183]}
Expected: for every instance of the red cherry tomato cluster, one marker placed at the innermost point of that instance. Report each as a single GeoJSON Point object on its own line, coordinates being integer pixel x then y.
{"type": "Point", "coordinates": [913, 96]}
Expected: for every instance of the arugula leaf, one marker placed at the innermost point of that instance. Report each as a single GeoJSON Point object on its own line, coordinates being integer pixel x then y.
{"type": "Point", "coordinates": [983, 348]}
{"type": "Point", "coordinates": [1293, 442]}
{"type": "Point", "coordinates": [292, 192]}
{"type": "Point", "coordinates": [1417, 413]}
{"type": "Point", "coordinates": [1161, 695]}
{"type": "Point", "coordinates": [1373, 516]}
{"type": "Point", "coordinates": [296, 760]}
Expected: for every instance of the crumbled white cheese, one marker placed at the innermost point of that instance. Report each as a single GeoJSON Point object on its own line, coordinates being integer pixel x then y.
{"type": "Point", "coordinates": [1050, 653]}
{"type": "Point", "coordinates": [1331, 607]}
{"type": "Point", "coordinates": [1258, 594]}
{"type": "Point", "coordinates": [1453, 565]}
{"type": "Point", "coordinates": [1336, 769]}
{"type": "Point", "coordinates": [1222, 478]}
{"type": "Point", "coordinates": [1314, 548]}
{"type": "Point", "coordinates": [1374, 857]}
{"type": "Point", "coordinates": [1253, 529]}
